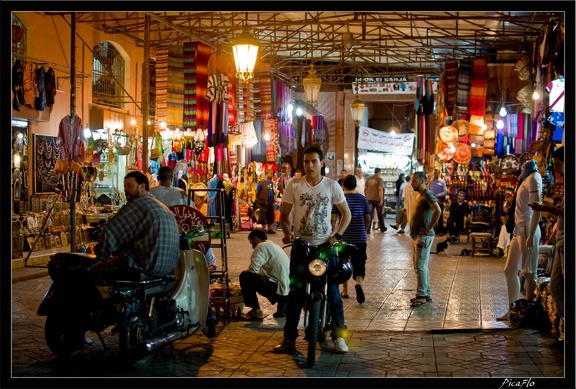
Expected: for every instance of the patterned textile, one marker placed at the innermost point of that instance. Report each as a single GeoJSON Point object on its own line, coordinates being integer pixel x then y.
{"type": "Point", "coordinates": [259, 149]}
{"type": "Point", "coordinates": [71, 138]}
{"type": "Point", "coordinates": [511, 126]}
{"type": "Point", "coordinates": [463, 86]}
{"type": "Point", "coordinates": [424, 97]}
{"type": "Point", "coordinates": [255, 83]}
{"type": "Point", "coordinates": [478, 88]}
{"type": "Point", "coordinates": [161, 86]}
{"type": "Point", "coordinates": [245, 102]}
{"type": "Point", "coordinates": [265, 91]}
{"type": "Point", "coordinates": [196, 106]}
{"type": "Point", "coordinates": [217, 88]}
{"type": "Point", "coordinates": [189, 57]}
{"type": "Point", "coordinates": [175, 86]}
{"type": "Point", "coordinates": [218, 124]}
{"type": "Point", "coordinates": [249, 138]}
{"type": "Point", "coordinates": [450, 84]}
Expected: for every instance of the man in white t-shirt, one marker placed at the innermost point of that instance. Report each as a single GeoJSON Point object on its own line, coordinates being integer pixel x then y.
{"type": "Point", "coordinates": [311, 198]}
{"type": "Point", "coordinates": [166, 192]}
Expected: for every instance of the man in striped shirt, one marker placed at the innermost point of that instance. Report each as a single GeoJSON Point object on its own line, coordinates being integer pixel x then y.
{"type": "Point", "coordinates": [355, 234]}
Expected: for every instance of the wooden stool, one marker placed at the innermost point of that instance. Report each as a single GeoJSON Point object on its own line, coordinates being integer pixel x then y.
{"type": "Point", "coordinates": [479, 238]}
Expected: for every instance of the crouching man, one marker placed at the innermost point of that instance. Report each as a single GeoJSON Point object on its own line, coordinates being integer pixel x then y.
{"type": "Point", "coordinates": [267, 275]}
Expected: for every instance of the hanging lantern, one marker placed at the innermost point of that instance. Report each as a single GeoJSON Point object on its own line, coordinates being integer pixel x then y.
{"type": "Point", "coordinates": [245, 49]}
{"type": "Point", "coordinates": [357, 108]}
{"type": "Point", "coordinates": [312, 84]}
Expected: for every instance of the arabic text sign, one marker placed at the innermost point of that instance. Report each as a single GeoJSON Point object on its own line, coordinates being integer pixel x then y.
{"type": "Point", "coordinates": [371, 139]}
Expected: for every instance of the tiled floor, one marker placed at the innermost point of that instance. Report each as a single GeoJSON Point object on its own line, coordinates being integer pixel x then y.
{"type": "Point", "coordinates": [456, 335]}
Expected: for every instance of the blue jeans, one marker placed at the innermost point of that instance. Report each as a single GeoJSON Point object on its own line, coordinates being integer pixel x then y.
{"type": "Point", "coordinates": [398, 205]}
{"type": "Point", "coordinates": [420, 257]}
{"type": "Point", "coordinates": [298, 273]}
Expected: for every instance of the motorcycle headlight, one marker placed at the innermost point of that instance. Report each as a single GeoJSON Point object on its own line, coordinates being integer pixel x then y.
{"type": "Point", "coordinates": [317, 267]}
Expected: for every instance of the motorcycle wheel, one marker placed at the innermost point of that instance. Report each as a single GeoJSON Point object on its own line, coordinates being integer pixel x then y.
{"type": "Point", "coordinates": [313, 331]}
{"type": "Point", "coordinates": [132, 347]}
{"type": "Point", "coordinates": [60, 337]}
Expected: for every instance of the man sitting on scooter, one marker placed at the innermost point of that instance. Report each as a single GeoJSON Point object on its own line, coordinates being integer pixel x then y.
{"type": "Point", "coordinates": [142, 236]}
{"type": "Point", "coordinates": [267, 274]}
{"type": "Point", "coordinates": [311, 197]}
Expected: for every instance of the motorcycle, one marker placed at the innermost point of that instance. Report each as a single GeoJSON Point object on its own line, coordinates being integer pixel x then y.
{"type": "Point", "coordinates": [147, 312]}
{"type": "Point", "coordinates": [326, 265]}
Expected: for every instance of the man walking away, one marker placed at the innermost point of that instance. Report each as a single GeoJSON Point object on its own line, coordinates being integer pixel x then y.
{"type": "Point", "coordinates": [375, 197]}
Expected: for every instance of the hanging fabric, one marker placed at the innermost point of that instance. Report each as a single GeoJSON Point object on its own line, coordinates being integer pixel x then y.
{"type": "Point", "coordinates": [450, 84]}
{"type": "Point", "coordinates": [477, 96]}
{"type": "Point", "coordinates": [71, 136]}
{"type": "Point", "coordinates": [463, 86]}
{"type": "Point", "coordinates": [161, 86]}
{"type": "Point", "coordinates": [175, 80]}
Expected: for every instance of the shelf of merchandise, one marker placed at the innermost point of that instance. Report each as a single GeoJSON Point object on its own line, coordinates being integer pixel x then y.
{"type": "Point", "coordinates": [219, 221]}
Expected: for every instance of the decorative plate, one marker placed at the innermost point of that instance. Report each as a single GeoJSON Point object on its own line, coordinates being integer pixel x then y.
{"type": "Point", "coordinates": [463, 127]}
{"type": "Point", "coordinates": [509, 164]}
{"type": "Point", "coordinates": [447, 152]}
{"type": "Point", "coordinates": [463, 153]}
{"type": "Point", "coordinates": [448, 134]}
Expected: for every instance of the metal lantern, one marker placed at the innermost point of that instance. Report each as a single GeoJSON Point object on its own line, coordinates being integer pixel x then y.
{"type": "Point", "coordinates": [312, 84]}
{"type": "Point", "coordinates": [245, 51]}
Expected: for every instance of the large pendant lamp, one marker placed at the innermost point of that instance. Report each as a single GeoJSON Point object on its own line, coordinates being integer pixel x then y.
{"type": "Point", "coordinates": [312, 84]}
{"type": "Point", "coordinates": [245, 49]}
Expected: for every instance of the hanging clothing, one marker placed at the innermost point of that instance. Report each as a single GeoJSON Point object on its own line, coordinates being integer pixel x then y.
{"type": "Point", "coordinates": [50, 87]}
{"type": "Point", "coordinates": [40, 100]}
{"type": "Point", "coordinates": [71, 137]}
{"type": "Point", "coordinates": [17, 87]}
{"type": "Point", "coordinates": [29, 84]}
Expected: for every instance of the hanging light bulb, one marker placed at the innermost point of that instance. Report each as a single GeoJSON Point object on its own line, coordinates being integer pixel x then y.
{"type": "Point", "coordinates": [266, 136]}
{"type": "Point", "coordinates": [87, 133]}
{"type": "Point", "coordinates": [299, 111]}
{"type": "Point", "coordinates": [503, 111]}
{"type": "Point", "coordinates": [500, 124]}
{"type": "Point", "coordinates": [535, 95]}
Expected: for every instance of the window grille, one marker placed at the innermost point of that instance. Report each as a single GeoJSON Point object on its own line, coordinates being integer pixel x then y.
{"type": "Point", "coordinates": [107, 76]}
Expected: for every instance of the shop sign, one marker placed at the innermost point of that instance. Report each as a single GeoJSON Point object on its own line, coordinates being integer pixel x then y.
{"type": "Point", "coordinates": [371, 139]}
{"type": "Point", "coordinates": [386, 85]}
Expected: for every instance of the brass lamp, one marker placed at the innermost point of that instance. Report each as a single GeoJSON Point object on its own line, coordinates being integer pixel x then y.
{"type": "Point", "coordinates": [245, 49]}
{"type": "Point", "coordinates": [312, 84]}
{"type": "Point", "coordinates": [357, 108]}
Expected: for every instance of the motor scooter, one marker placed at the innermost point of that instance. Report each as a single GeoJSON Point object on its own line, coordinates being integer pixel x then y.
{"type": "Point", "coordinates": [147, 312]}
{"type": "Point", "coordinates": [325, 265]}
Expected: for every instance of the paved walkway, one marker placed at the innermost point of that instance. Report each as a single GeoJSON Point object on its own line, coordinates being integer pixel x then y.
{"type": "Point", "coordinates": [456, 335]}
